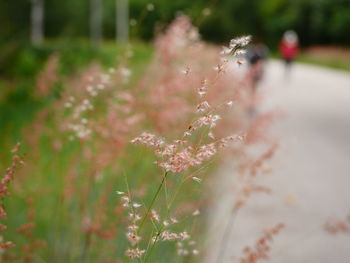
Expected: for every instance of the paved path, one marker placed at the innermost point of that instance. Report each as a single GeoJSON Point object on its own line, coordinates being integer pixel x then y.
{"type": "Point", "coordinates": [311, 170]}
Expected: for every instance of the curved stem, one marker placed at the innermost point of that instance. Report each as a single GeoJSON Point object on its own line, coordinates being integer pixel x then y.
{"type": "Point", "coordinates": [226, 236]}
{"type": "Point", "coordinates": [153, 200]}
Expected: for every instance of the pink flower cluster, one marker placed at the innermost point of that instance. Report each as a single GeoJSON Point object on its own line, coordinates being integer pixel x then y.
{"type": "Point", "coordinates": [148, 139]}
{"type": "Point", "coordinates": [172, 236]}
{"type": "Point", "coordinates": [176, 158]}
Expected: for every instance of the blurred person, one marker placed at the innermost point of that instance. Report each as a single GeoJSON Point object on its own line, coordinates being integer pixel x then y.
{"type": "Point", "coordinates": [256, 57]}
{"type": "Point", "coordinates": [289, 48]}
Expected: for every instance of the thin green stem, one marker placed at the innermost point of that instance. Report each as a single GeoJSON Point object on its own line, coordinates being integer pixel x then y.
{"type": "Point", "coordinates": [153, 200]}
{"type": "Point", "coordinates": [184, 179]}
{"type": "Point", "coordinates": [169, 205]}
{"type": "Point", "coordinates": [226, 236]}
{"type": "Point", "coordinates": [154, 243]}
{"type": "Point", "coordinates": [166, 198]}
{"type": "Point", "coordinates": [130, 200]}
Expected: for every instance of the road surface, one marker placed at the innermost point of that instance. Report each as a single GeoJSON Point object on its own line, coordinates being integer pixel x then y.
{"type": "Point", "coordinates": [311, 172]}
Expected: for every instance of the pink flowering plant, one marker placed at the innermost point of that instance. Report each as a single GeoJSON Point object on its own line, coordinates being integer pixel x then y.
{"type": "Point", "coordinates": [186, 156]}
{"type": "Point", "coordinates": [151, 138]}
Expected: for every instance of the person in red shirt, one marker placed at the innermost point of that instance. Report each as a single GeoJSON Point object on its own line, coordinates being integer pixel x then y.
{"type": "Point", "coordinates": [289, 48]}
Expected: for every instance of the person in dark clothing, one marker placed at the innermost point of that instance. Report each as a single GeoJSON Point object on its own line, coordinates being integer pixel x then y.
{"type": "Point", "coordinates": [256, 56]}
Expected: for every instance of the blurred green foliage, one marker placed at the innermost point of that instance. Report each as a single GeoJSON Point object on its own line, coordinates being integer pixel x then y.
{"type": "Point", "coordinates": [330, 62]}
{"type": "Point", "coordinates": [316, 21]}
{"type": "Point", "coordinates": [59, 219]}
{"type": "Point", "coordinates": [19, 72]}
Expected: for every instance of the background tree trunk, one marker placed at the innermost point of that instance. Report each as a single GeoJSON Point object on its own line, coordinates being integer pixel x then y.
{"type": "Point", "coordinates": [122, 20]}
{"type": "Point", "coordinates": [37, 19]}
{"type": "Point", "coordinates": [96, 22]}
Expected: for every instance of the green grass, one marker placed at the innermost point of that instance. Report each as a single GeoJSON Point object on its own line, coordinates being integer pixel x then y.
{"type": "Point", "coordinates": [18, 104]}
{"type": "Point", "coordinates": [58, 217]}
{"type": "Point", "coordinates": [329, 62]}
{"type": "Point", "coordinates": [57, 221]}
